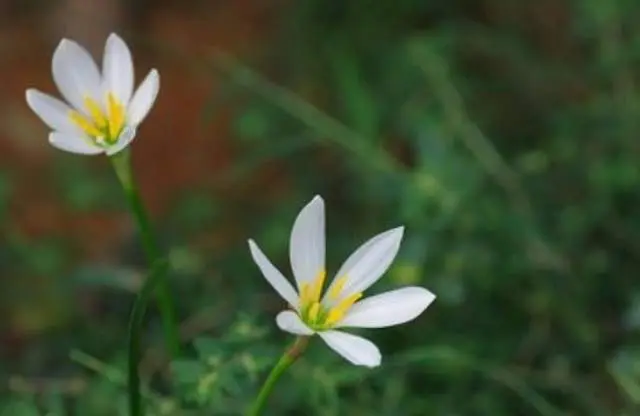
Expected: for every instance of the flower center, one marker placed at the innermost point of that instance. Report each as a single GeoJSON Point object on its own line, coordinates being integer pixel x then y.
{"type": "Point", "coordinates": [321, 316]}
{"type": "Point", "coordinates": [103, 127]}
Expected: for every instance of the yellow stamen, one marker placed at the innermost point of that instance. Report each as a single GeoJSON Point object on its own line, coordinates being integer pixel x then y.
{"type": "Point", "coordinates": [322, 316]}
{"type": "Point", "coordinates": [316, 286]}
{"type": "Point", "coordinates": [115, 112]}
{"type": "Point", "coordinates": [348, 302]}
{"type": "Point", "coordinates": [336, 289]}
{"type": "Point", "coordinates": [310, 291]}
{"type": "Point", "coordinates": [86, 125]}
{"type": "Point", "coordinates": [338, 312]}
{"type": "Point", "coordinates": [304, 294]}
{"type": "Point", "coordinates": [103, 127]}
{"type": "Point", "coordinates": [96, 112]}
{"type": "Point", "coordinates": [333, 317]}
{"type": "Point", "coordinates": [314, 311]}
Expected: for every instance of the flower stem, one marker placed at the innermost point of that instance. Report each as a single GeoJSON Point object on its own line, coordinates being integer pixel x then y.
{"type": "Point", "coordinates": [136, 320]}
{"type": "Point", "coordinates": [122, 166]}
{"type": "Point", "coordinates": [288, 358]}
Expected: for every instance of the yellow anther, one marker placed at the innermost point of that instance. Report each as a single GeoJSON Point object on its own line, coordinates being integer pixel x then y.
{"type": "Point", "coordinates": [314, 310]}
{"type": "Point", "coordinates": [348, 302]}
{"type": "Point", "coordinates": [310, 291]}
{"type": "Point", "coordinates": [336, 289]}
{"type": "Point", "coordinates": [98, 117]}
{"type": "Point", "coordinates": [304, 294]}
{"type": "Point", "coordinates": [86, 125]}
{"type": "Point", "coordinates": [333, 317]}
{"type": "Point", "coordinates": [338, 312]}
{"type": "Point", "coordinates": [316, 287]}
{"type": "Point", "coordinates": [115, 112]}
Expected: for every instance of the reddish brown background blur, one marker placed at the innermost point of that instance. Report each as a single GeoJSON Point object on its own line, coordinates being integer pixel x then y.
{"type": "Point", "coordinates": [174, 149]}
{"type": "Point", "coordinates": [175, 121]}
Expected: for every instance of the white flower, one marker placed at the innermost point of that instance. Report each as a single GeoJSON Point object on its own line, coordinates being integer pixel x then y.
{"type": "Point", "coordinates": [341, 305]}
{"type": "Point", "coordinates": [102, 113]}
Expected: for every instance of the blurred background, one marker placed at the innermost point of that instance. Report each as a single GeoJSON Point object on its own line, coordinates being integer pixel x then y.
{"type": "Point", "coordinates": [502, 134]}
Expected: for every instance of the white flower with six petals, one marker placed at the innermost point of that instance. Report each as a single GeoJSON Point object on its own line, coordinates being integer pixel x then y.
{"type": "Point", "coordinates": [103, 112]}
{"type": "Point", "coordinates": [340, 306]}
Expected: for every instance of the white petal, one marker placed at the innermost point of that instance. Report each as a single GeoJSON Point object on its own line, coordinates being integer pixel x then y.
{"type": "Point", "coordinates": [388, 309]}
{"type": "Point", "coordinates": [307, 243]}
{"type": "Point", "coordinates": [289, 321]}
{"type": "Point", "coordinates": [73, 144]}
{"type": "Point", "coordinates": [369, 262]}
{"type": "Point", "coordinates": [126, 137]}
{"type": "Point", "coordinates": [144, 98]}
{"type": "Point", "coordinates": [52, 111]}
{"type": "Point", "coordinates": [273, 276]}
{"type": "Point", "coordinates": [117, 68]}
{"type": "Point", "coordinates": [355, 349]}
{"type": "Point", "coordinates": [75, 73]}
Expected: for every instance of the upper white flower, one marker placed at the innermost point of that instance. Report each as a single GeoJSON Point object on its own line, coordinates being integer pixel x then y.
{"type": "Point", "coordinates": [341, 305]}
{"type": "Point", "coordinates": [102, 113]}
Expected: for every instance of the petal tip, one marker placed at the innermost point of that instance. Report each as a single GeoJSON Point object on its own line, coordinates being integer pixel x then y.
{"type": "Point", "coordinates": [372, 362]}
{"type": "Point", "coordinates": [154, 75]}
{"type": "Point", "coordinates": [254, 250]}
{"type": "Point", "coordinates": [290, 322]}
{"type": "Point", "coordinates": [426, 298]}
{"type": "Point", "coordinates": [397, 234]}
{"type": "Point", "coordinates": [316, 205]}
{"type": "Point", "coordinates": [429, 296]}
{"type": "Point", "coordinates": [113, 36]}
{"type": "Point", "coordinates": [63, 44]}
{"type": "Point", "coordinates": [30, 94]}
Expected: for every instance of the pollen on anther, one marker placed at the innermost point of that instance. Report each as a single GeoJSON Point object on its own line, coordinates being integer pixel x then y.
{"type": "Point", "coordinates": [86, 125]}
{"type": "Point", "coordinates": [339, 311]}
{"type": "Point", "coordinates": [99, 118]}
{"type": "Point", "coordinates": [115, 112]}
{"type": "Point", "coordinates": [316, 287]}
{"type": "Point", "coordinates": [336, 289]}
{"type": "Point", "coordinates": [304, 293]}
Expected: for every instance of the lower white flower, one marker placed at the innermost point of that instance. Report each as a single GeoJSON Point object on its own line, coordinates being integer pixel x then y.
{"type": "Point", "coordinates": [341, 305]}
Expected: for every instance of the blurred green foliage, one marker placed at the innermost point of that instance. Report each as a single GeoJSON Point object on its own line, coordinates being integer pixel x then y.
{"type": "Point", "coordinates": [508, 150]}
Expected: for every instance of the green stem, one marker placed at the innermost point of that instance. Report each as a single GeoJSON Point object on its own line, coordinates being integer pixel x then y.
{"type": "Point", "coordinates": [122, 166]}
{"type": "Point", "coordinates": [288, 358]}
{"type": "Point", "coordinates": [136, 321]}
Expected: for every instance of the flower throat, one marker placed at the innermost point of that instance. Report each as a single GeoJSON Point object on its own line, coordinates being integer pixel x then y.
{"type": "Point", "coordinates": [320, 316]}
{"type": "Point", "coordinates": [104, 127]}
